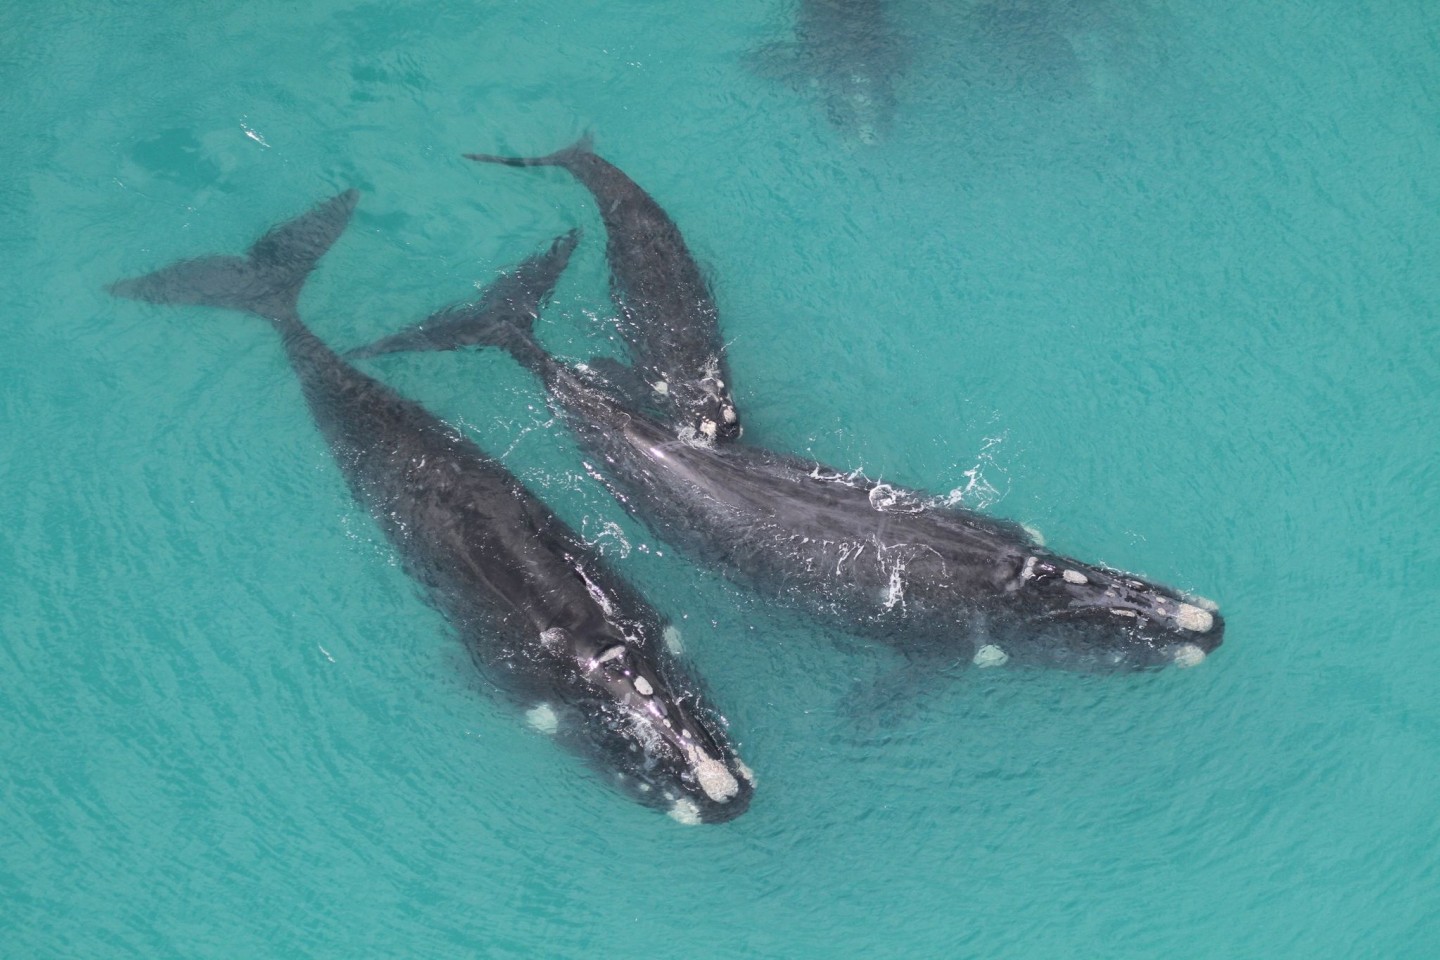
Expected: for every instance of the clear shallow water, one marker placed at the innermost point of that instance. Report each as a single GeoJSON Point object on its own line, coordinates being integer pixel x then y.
{"type": "Point", "coordinates": [1170, 298]}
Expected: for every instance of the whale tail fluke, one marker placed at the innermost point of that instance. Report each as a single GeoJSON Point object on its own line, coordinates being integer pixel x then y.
{"type": "Point", "coordinates": [503, 316]}
{"type": "Point", "coordinates": [559, 158]}
{"type": "Point", "coordinates": [266, 281]}
{"type": "Point", "coordinates": [468, 324]}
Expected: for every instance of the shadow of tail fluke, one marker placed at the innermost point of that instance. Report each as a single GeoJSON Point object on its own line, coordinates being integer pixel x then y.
{"type": "Point", "coordinates": [265, 281]}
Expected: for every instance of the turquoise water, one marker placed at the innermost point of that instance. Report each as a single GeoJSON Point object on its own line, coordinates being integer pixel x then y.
{"type": "Point", "coordinates": [1160, 280]}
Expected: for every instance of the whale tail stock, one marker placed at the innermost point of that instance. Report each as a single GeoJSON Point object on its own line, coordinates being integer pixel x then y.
{"type": "Point", "coordinates": [559, 158]}
{"type": "Point", "coordinates": [266, 281]}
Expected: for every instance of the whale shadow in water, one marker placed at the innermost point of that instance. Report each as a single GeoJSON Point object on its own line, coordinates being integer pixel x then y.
{"type": "Point", "coordinates": [849, 57]}
{"type": "Point", "coordinates": [546, 619]}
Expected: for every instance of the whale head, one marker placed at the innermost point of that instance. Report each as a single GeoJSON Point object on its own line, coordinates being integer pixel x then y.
{"type": "Point", "coordinates": [706, 406]}
{"type": "Point", "coordinates": [639, 718]}
{"type": "Point", "coordinates": [1087, 617]}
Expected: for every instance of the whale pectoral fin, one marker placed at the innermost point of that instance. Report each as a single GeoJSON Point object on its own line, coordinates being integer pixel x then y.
{"type": "Point", "coordinates": [897, 697]}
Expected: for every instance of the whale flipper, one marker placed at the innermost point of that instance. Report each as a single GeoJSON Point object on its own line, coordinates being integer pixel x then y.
{"type": "Point", "coordinates": [266, 281]}
{"type": "Point", "coordinates": [515, 298]}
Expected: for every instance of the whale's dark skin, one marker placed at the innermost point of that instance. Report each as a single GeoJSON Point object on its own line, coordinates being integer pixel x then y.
{"type": "Point", "coordinates": [941, 584]}
{"type": "Point", "coordinates": [547, 621]}
{"type": "Point", "coordinates": [521, 292]}
{"type": "Point", "coordinates": [667, 313]}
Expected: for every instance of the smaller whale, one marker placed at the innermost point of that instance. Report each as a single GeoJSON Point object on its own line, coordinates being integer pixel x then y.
{"type": "Point", "coordinates": [548, 622]}
{"type": "Point", "coordinates": [518, 294]}
{"type": "Point", "coordinates": [667, 313]}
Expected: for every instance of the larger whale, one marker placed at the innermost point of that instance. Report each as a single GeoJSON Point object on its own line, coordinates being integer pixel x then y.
{"type": "Point", "coordinates": [944, 585]}
{"type": "Point", "coordinates": [667, 312]}
{"type": "Point", "coordinates": [548, 622]}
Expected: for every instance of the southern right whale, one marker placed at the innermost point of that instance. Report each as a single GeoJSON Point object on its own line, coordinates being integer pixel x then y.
{"type": "Point", "coordinates": [667, 313]}
{"type": "Point", "coordinates": [544, 617]}
{"type": "Point", "coordinates": [940, 583]}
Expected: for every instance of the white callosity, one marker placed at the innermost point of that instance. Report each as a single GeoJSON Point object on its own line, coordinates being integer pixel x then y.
{"type": "Point", "coordinates": [543, 718]}
{"type": "Point", "coordinates": [1188, 655]}
{"type": "Point", "coordinates": [717, 782]}
{"type": "Point", "coordinates": [685, 811]}
{"type": "Point", "coordinates": [1191, 617]}
{"type": "Point", "coordinates": [990, 656]}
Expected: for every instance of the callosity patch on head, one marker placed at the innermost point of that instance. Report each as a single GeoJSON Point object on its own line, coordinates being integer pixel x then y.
{"type": "Point", "coordinates": [715, 780]}
{"type": "Point", "coordinates": [1193, 618]}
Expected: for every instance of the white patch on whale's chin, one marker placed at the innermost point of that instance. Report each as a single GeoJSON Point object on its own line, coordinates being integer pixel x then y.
{"type": "Point", "coordinates": [543, 718]}
{"type": "Point", "coordinates": [685, 811]}
{"type": "Point", "coordinates": [1188, 655]}
{"type": "Point", "coordinates": [673, 641]}
{"type": "Point", "coordinates": [990, 656]}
